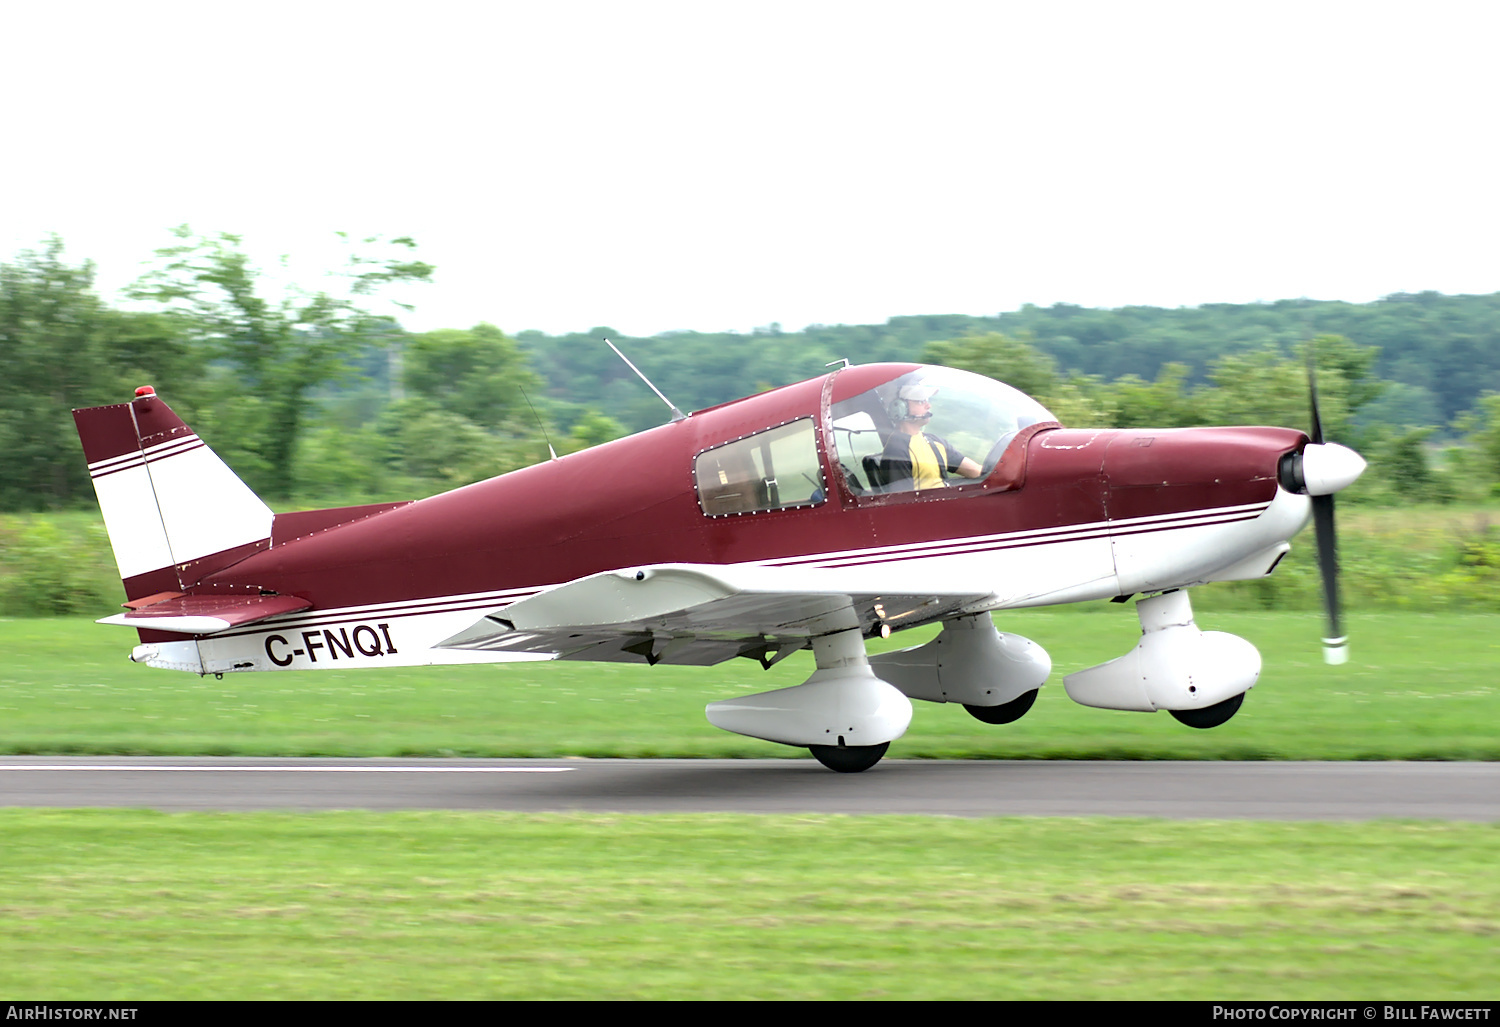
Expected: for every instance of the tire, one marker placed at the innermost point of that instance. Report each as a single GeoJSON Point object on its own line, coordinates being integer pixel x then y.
{"type": "Point", "coordinates": [1005, 713]}
{"type": "Point", "coordinates": [1210, 716]}
{"type": "Point", "coordinates": [849, 759]}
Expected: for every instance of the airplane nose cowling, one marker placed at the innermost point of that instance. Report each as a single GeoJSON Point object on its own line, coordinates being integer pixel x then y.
{"type": "Point", "coordinates": [1328, 467]}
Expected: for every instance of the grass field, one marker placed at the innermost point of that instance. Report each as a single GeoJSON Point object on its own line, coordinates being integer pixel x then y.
{"type": "Point", "coordinates": [129, 905]}
{"type": "Point", "coordinates": [137, 906]}
{"type": "Point", "coordinates": [1418, 687]}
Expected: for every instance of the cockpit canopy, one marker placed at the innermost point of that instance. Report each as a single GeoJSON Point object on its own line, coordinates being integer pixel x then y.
{"type": "Point", "coordinates": [970, 417]}
{"type": "Point", "coordinates": [922, 429]}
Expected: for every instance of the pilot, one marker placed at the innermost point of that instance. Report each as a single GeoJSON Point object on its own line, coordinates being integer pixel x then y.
{"type": "Point", "coordinates": [914, 459]}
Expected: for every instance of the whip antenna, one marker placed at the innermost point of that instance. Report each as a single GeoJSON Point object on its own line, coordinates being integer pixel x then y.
{"type": "Point", "coordinates": [677, 415]}
{"type": "Point", "coordinates": [539, 423]}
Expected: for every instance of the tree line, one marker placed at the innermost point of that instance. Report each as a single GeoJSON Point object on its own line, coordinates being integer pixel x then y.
{"type": "Point", "coordinates": [322, 397]}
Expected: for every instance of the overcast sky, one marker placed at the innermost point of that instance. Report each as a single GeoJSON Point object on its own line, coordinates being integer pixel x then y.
{"type": "Point", "coordinates": [651, 166]}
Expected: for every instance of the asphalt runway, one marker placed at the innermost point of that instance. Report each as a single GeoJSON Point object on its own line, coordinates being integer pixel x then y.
{"type": "Point", "coordinates": [969, 788]}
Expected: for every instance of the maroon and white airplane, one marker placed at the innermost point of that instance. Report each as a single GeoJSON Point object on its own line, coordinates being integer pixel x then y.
{"type": "Point", "coordinates": [788, 520]}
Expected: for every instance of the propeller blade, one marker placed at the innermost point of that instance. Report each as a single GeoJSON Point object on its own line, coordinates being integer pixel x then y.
{"type": "Point", "coordinates": [1335, 642]}
{"type": "Point", "coordinates": [1312, 392]}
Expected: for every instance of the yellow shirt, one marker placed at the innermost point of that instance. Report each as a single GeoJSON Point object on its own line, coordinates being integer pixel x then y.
{"type": "Point", "coordinates": [926, 465]}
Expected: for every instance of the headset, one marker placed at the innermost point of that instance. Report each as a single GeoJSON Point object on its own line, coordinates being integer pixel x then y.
{"type": "Point", "coordinates": [899, 408]}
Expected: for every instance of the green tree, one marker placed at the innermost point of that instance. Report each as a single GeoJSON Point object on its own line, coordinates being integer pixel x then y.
{"type": "Point", "coordinates": [443, 447]}
{"type": "Point", "coordinates": [346, 464]}
{"type": "Point", "coordinates": [1401, 470]}
{"type": "Point", "coordinates": [1354, 364]}
{"type": "Point", "coordinates": [50, 340]}
{"type": "Point", "coordinates": [1402, 406]}
{"type": "Point", "coordinates": [62, 347]}
{"type": "Point", "coordinates": [268, 354]}
{"type": "Point", "coordinates": [477, 373]}
{"type": "Point", "coordinates": [592, 429]}
{"type": "Point", "coordinates": [1481, 430]}
{"type": "Point", "coordinates": [1014, 361]}
{"type": "Point", "coordinates": [1265, 387]}
{"type": "Point", "coordinates": [1164, 403]}
{"type": "Point", "coordinates": [1082, 401]}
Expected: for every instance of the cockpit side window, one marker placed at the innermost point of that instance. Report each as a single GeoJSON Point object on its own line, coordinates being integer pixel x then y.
{"type": "Point", "coordinates": [770, 470]}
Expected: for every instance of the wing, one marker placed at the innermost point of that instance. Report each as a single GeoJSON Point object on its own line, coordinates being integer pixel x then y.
{"type": "Point", "coordinates": [695, 614]}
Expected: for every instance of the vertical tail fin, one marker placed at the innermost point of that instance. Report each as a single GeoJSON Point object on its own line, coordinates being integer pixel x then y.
{"type": "Point", "coordinates": [175, 512]}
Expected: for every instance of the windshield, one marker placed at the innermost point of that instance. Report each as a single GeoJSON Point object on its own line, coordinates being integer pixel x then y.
{"type": "Point", "coordinates": [932, 428]}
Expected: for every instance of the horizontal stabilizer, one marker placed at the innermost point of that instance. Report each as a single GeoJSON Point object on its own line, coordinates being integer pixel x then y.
{"type": "Point", "coordinates": [205, 615]}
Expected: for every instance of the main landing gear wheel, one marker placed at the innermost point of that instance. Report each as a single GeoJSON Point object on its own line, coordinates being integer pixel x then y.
{"type": "Point", "coordinates": [1005, 713]}
{"type": "Point", "coordinates": [849, 759]}
{"type": "Point", "coordinates": [1210, 716]}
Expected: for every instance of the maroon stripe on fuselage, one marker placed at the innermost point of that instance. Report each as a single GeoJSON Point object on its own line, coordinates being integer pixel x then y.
{"type": "Point", "coordinates": [1030, 541]}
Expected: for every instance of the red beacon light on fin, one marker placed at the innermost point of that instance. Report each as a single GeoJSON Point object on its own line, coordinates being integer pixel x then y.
{"type": "Point", "coordinates": [145, 390]}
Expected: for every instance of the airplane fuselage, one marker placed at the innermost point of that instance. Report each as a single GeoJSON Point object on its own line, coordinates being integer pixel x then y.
{"type": "Point", "coordinates": [1064, 515]}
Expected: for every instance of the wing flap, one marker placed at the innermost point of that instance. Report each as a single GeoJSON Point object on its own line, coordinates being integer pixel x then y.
{"type": "Point", "coordinates": [205, 615]}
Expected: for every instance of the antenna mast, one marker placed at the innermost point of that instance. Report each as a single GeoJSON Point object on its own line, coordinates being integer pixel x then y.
{"type": "Point", "coordinates": [539, 423]}
{"type": "Point", "coordinates": [677, 415]}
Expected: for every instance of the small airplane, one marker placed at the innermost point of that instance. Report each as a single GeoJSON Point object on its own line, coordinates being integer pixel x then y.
{"type": "Point", "coordinates": [819, 515]}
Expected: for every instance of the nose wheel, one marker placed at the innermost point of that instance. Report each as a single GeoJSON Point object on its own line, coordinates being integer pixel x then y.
{"type": "Point", "coordinates": [849, 759]}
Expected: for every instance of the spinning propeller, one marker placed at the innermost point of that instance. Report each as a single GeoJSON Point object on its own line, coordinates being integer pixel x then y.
{"type": "Point", "coordinates": [1320, 470]}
